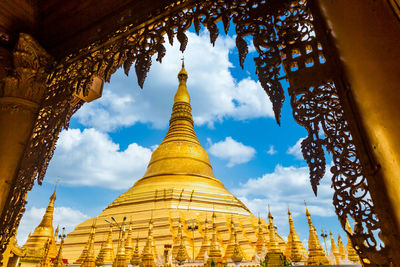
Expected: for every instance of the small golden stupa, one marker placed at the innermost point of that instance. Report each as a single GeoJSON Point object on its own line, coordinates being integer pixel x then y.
{"type": "Point", "coordinates": [316, 255]}
{"type": "Point", "coordinates": [42, 243]}
{"type": "Point", "coordinates": [179, 183]}
{"type": "Point", "coordinates": [106, 254]}
{"type": "Point", "coordinates": [342, 250]}
{"type": "Point", "coordinates": [334, 250]}
{"type": "Point", "coordinates": [294, 250]}
{"type": "Point", "coordinates": [274, 256]}
{"type": "Point", "coordinates": [351, 252]}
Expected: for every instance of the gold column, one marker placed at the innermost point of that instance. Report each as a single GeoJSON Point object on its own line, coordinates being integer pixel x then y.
{"type": "Point", "coordinates": [20, 95]}
{"type": "Point", "coordinates": [368, 43]}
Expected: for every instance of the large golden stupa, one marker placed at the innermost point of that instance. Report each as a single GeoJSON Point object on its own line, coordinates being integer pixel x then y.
{"type": "Point", "coordinates": [178, 186]}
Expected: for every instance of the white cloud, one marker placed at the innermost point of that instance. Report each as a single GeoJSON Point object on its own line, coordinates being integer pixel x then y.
{"type": "Point", "coordinates": [91, 158]}
{"type": "Point", "coordinates": [233, 151]}
{"type": "Point", "coordinates": [271, 150]}
{"type": "Point", "coordinates": [286, 187]}
{"type": "Point", "coordinates": [215, 94]}
{"type": "Point", "coordinates": [63, 216]}
{"type": "Point", "coordinates": [295, 150]}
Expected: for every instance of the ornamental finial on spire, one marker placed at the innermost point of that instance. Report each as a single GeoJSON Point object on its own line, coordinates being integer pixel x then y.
{"type": "Point", "coordinates": [182, 94]}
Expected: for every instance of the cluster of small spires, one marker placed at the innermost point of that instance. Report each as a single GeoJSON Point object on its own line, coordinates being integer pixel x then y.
{"type": "Point", "coordinates": [210, 252]}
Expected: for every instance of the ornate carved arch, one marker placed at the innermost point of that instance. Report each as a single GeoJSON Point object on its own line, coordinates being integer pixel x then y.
{"type": "Point", "coordinates": [288, 35]}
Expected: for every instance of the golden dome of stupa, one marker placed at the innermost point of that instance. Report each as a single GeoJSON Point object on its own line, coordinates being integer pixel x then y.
{"type": "Point", "coordinates": [179, 185]}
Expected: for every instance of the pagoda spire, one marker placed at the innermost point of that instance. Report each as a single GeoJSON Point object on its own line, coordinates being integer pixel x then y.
{"type": "Point", "coordinates": [215, 256]}
{"type": "Point", "coordinates": [169, 158]}
{"type": "Point", "coordinates": [334, 250]}
{"type": "Point", "coordinates": [295, 250]}
{"type": "Point", "coordinates": [237, 255]}
{"type": "Point", "coordinates": [90, 259]}
{"type": "Point", "coordinates": [179, 240]}
{"type": "Point", "coordinates": [342, 250]}
{"type": "Point", "coordinates": [44, 232]}
{"type": "Point", "coordinates": [129, 243]}
{"type": "Point", "coordinates": [135, 259]}
{"type": "Point", "coordinates": [316, 255]}
{"type": "Point", "coordinates": [260, 246]}
{"type": "Point", "coordinates": [147, 259]}
{"type": "Point", "coordinates": [351, 253]}
{"type": "Point", "coordinates": [181, 255]}
{"type": "Point", "coordinates": [205, 245]}
{"type": "Point", "coordinates": [274, 256]}
{"type": "Point", "coordinates": [106, 254]}
{"type": "Point", "coordinates": [120, 259]}
{"type": "Point", "coordinates": [230, 249]}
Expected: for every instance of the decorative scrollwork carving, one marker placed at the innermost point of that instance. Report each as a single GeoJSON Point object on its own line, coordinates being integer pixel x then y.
{"type": "Point", "coordinates": [284, 38]}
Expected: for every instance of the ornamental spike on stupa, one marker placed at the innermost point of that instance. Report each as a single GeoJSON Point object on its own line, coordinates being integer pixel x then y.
{"type": "Point", "coordinates": [106, 253]}
{"type": "Point", "coordinates": [334, 250]}
{"type": "Point", "coordinates": [260, 247]}
{"type": "Point", "coordinates": [90, 259]}
{"type": "Point", "coordinates": [237, 255]}
{"type": "Point", "coordinates": [135, 259]}
{"type": "Point", "coordinates": [129, 243]}
{"type": "Point", "coordinates": [179, 241]}
{"type": "Point", "coordinates": [181, 256]}
{"type": "Point", "coordinates": [231, 244]}
{"type": "Point", "coordinates": [351, 252]}
{"type": "Point", "coordinates": [44, 232]}
{"type": "Point", "coordinates": [274, 256]}
{"type": "Point", "coordinates": [342, 250]}
{"type": "Point", "coordinates": [295, 250]}
{"type": "Point", "coordinates": [147, 259]}
{"type": "Point", "coordinates": [316, 255]}
{"type": "Point", "coordinates": [120, 258]}
{"type": "Point", "coordinates": [215, 256]}
{"type": "Point", "coordinates": [205, 245]}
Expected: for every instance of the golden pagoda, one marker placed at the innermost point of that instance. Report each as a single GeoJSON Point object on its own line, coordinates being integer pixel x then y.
{"type": "Point", "coordinates": [334, 250]}
{"type": "Point", "coordinates": [135, 260]}
{"type": "Point", "coordinates": [106, 254]}
{"type": "Point", "coordinates": [181, 169]}
{"type": "Point", "coordinates": [147, 258]}
{"type": "Point", "coordinates": [215, 256]}
{"type": "Point", "coordinates": [205, 245]}
{"type": "Point", "coordinates": [233, 245]}
{"type": "Point", "coordinates": [129, 243]}
{"type": "Point", "coordinates": [89, 259]}
{"type": "Point", "coordinates": [121, 259]}
{"type": "Point", "coordinates": [181, 255]}
{"type": "Point", "coordinates": [294, 250]}
{"type": "Point", "coordinates": [316, 255]}
{"type": "Point", "coordinates": [260, 246]}
{"type": "Point", "coordinates": [237, 255]}
{"type": "Point", "coordinates": [42, 241]}
{"type": "Point", "coordinates": [178, 246]}
{"type": "Point", "coordinates": [342, 250]}
{"type": "Point", "coordinates": [351, 252]}
{"type": "Point", "coordinates": [274, 256]}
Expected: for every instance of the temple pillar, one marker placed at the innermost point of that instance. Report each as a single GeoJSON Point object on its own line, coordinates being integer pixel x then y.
{"type": "Point", "coordinates": [368, 45]}
{"type": "Point", "coordinates": [23, 77]}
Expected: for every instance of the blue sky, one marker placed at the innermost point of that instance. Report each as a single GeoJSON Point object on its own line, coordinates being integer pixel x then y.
{"type": "Point", "coordinates": [110, 141]}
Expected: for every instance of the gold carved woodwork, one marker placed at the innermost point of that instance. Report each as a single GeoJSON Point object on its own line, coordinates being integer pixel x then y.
{"type": "Point", "coordinates": [287, 38]}
{"type": "Point", "coordinates": [22, 90]}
